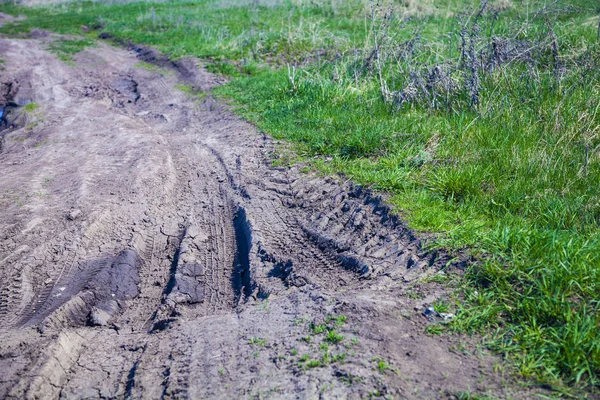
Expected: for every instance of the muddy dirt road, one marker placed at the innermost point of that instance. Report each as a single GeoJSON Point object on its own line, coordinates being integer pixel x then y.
{"type": "Point", "coordinates": [148, 249]}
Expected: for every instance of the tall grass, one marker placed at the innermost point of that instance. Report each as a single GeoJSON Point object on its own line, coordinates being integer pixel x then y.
{"type": "Point", "coordinates": [480, 118]}
{"type": "Point", "coordinates": [489, 135]}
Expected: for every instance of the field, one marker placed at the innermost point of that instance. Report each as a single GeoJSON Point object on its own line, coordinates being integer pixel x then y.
{"type": "Point", "coordinates": [478, 120]}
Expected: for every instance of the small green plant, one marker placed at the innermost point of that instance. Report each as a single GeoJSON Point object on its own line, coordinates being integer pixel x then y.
{"type": "Point", "coordinates": [339, 358]}
{"type": "Point", "coordinates": [472, 396]}
{"type": "Point", "coordinates": [350, 379]}
{"type": "Point", "coordinates": [31, 107]}
{"type": "Point", "coordinates": [257, 341]}
{"type": "Point", "coordinates": [383, 366]}
{"type": "Point", "coordinates": [333, 337]}
{"type": "Point", "coordinates": [440, 306]}
{"type": "Point", "coordinates": [299, 321]}
{"type": "Point", "coordinates": [304, 357]}
{"type": "Point", "coordinates": [327, 387]}
{"type": "Point", "coordinates": [338, 320]}
{"type": "Point", "coordinates": [435, 329]}
{"type": "Point", "coordinates": [317, 329]}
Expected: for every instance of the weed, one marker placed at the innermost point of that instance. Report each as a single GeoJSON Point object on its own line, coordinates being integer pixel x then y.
{"type": "Point", "coordinates": [350, 379]}
{"type": "Point", "coordinates": [440, 306]}
{"type": "Point", "coordinates": [471, 396]}
{"type": "Point", "coordinates": [339, 358]}
{"type": "Point", "coordinates": [65, 49]}
{"type": "Point", "coordinates": [383, 366]}
{"type": "Point", "coordinates": [300, 321]}
{"type": "Point", "coordinates": [31, 107]}
{"type": "Point", "coordinates": [326, 387]}
{"type": "Point", "coordinates": [440, 277]}
{"type": "Point", "coordinates": [333, 337]}
{"type": "Point", "coordinates": [338, 320]}
{"type": "Point", "coordinates": [257, 341]}
{"type": "Point", "coordinates": [435, 329]}
{"type": "Point", "coordinates": [317, 329]}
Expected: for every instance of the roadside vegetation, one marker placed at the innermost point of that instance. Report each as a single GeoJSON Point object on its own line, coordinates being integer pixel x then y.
{"type": "Point", "coordinates": [479, 118]}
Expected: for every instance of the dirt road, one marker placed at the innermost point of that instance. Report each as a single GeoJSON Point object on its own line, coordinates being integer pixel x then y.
{"type": "Point", "coordinates": [149, 249]}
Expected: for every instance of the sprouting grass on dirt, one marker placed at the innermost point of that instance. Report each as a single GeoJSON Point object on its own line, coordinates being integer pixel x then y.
{"type": "Point", "coordinates": [65, 49]}
{"type": "Point", "coordinates": [500, 158]}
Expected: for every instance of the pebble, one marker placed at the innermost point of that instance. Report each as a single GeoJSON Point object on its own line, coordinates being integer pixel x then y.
{"type": "Point", "coordinates": [74, 214]}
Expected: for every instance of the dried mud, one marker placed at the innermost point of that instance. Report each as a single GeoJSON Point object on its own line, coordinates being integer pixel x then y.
{"type": "Point", "coordinates": [149, 249]}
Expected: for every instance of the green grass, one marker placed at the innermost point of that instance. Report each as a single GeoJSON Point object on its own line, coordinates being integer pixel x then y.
{"type": "Point", "coordinates": [513, 176]}
{"type": "Point", "coordinates": [257, 341]}
{"type": "Point", "coordinates": [31, 107]}
{"type": "Point", "coordinates": [383, 366]}
{"type": "Point", "coordinates": [153, 68]}
{"type": "Point", "coordinates": [65, 49]}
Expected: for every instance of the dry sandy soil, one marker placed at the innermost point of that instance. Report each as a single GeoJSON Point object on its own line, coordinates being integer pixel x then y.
{"type": "Point", "coordinates": [149, 249]}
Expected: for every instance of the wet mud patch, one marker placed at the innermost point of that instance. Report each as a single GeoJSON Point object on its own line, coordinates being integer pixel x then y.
{"type": "Point", "coordinates": [17, 109]}
{"type": "Point", "coordinates": [10, 110]}
{"type": "Point", "coordinates": [241, 280]}
{"type": "Point", "coordinates": [127, 91]}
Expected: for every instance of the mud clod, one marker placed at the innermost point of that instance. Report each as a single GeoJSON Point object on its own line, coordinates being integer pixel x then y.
{"type": "Point", "coordinates": [73, 215]}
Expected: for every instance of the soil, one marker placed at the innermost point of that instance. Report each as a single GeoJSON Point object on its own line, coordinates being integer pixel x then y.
{"type": "Point", "coordinates": [150, 249]}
